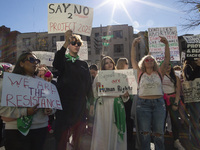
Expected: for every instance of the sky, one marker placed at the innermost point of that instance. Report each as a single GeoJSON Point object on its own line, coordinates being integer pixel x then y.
{"type": "Point", "coordinates": [32, 15]}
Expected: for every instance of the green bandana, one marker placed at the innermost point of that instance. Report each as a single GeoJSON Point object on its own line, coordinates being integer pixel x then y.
{"type": "Point", "coordinates": [24, 124]}
{"type": "Point", "coordinates": [120, 116]}
{"type": "Point", "coordinates": [71, 58]}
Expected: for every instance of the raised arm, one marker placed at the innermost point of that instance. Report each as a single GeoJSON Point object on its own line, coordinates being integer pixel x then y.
{"type": "Point", "coordinates": [133, 54]}
{"type": "Point", "coordinates": [60, 55]}
{"type": "Point", "coordinates": [165, 64]}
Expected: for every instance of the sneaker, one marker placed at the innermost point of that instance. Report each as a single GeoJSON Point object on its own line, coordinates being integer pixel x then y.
{"type": "Point", "coordinates": [178, 145]}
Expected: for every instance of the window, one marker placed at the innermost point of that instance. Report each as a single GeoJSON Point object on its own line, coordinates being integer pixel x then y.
{"type": "Point", "coordinates": [118, 48]}
{"type": "Point", "coordinates": [88, 38]}
{"type": "Point", "coordinates": [26, 41]}
{"type": "Point", "coordinates": [97, 51]}
{"type": "Point", "coordinates": [62, 38]}
{"type": "Point", "coordinates": [96, 35]}
{"type": "Point", "coordinates": [118, 34]}
{"type": "Point", "coordinates": [89, 51]}
{"type": "Point", "coordinates": [53, 41]}
{"type": "Point", "coordinates": [104, 33]}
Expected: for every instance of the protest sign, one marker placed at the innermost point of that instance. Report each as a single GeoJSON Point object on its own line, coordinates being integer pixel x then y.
{"type": "Point", "coordinates": [191, 90]}
{"type": "Point", "coordinates": [64, 16]}
{"type": "Point", "coordinates": [157, 49]}
{"type": "Point", "coordinates": [192, 39]}
{"type": "Point", "coordinates": [193, 51]}
{"type": "Point", "coordinates": [117, 82]}
{"type": "Point", "coordinates": [45, 57]}
{"type": "Point", "coordinates": [26, 91]}
{"type": "Point", "coordinates": [83, 51]}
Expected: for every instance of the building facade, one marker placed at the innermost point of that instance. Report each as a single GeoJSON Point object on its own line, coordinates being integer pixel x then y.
{"type": "Point", "coordinates": [8, 45]}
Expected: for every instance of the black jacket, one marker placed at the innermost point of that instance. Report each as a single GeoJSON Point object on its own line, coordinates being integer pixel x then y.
{"type": "Point", "coordinates": [74, 86]}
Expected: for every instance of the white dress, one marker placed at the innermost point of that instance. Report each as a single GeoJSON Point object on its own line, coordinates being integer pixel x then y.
{"type": "Point", "coordinates": [105, 133]}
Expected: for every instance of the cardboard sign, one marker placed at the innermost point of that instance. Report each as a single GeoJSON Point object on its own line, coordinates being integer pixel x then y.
{"type": "Point", "coordinates": [25, 91]}
{"type": "Point", "coordinates": [83, 51]}
{"type": "Point", "coordinates": [157, 49]}
{"type": "Point", "coordinates": [191, 90]}
{"type": "Point", "coordinates": [64, 16]}
{"type": "Point", "coordinates": [193, 51]}
{"type": "Point", "coordinates": [45, 57]}
{"type": "Point", "coordinates": [117, 82]}
{"type": "Point", "coordinates": [192, 39]}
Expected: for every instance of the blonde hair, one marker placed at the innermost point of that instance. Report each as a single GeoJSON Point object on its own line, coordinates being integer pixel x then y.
{"type": "Point", "coordinates": [142, 66]}
{"type": "Point", "coordinates": [103, 62]}
{"type": "Point", "coordinates": [121, 62]}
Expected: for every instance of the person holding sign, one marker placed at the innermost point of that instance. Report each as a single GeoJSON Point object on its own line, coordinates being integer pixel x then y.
{"type": "Point", "coordinates": [191, 71]}
{"type": "Point", "coordinates": [75, 88]}
{"type": "Point", "coordinates": [122, 63]}
{"type": "Point", "coordinates": [150, 107]}
{"type": "Point", "coordinates": [25, 128]}
{"type": "Point", "coordinates": [171, 88]}
{"type": "Point", "coordinates": [109, 129]}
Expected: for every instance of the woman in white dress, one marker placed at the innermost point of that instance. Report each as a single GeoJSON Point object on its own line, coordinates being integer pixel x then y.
{"type": "Point", "coordinates": [105, 132]}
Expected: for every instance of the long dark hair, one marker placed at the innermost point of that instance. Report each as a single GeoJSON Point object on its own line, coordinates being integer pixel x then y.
{"type": "Point", "coordinates": [103, 62]}
{"type": "Point", "coordinates": [18, 69]}
{"type": "Point", "coordinates": [173, 76]}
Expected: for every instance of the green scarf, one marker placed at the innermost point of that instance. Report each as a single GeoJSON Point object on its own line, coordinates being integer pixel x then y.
{"type": "Point", "coordinates": [120, 116]}
{"type": "Point", "coordinates": [71, 58]}
{"type": "Point", "coordinates": [24, 124]}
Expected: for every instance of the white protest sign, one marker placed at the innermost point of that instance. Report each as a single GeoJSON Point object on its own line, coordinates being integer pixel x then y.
{"type": "Point", "coordinates": [192, 39]}
{"type": "Point", "coordinates": [117, 82]}
{"type": "Point", "coordinates": [45, 57]}
{"type": "Point", "coordinates": [83, 51]}
{"type": "Point", "coordinates": [65, 16]}
{"type": "Point", "coordinates": [157, 49]}
{"type": "Point", "coordinates": [191, 90]}
{"type": "Point", "coordinates": [25, 91]}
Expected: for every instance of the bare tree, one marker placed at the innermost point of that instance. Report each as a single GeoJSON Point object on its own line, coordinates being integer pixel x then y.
{"type": "Point", "coordinates": [192, 11]}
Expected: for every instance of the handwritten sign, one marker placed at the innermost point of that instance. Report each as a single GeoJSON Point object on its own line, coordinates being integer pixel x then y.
{"type": "Point", "coordinates": [157, 49]}
{"type": "Point", "coordinates": [45, 57]}
{"type": "Point", "coordinates": [192, 39]}
{"type": "Point", "coordinates": [117, 82]}
{"type": "Point", "coordinates": [191, 90]}
{"type": "Point", "coordinates": [25, 91]}
{"type": "Point", "coordinates": [193, 51]}
{"type": "Point", "coordinates": [83, 51]}
{"type": "Point", "coordinates": [63, 17]}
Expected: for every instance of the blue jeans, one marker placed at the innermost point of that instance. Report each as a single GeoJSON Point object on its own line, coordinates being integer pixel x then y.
{"type": "Point", "coordinates": [151, 117]}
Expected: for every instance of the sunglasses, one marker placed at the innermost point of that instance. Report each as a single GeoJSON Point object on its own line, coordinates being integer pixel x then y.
{"type": "Point", "coordinates": [32, 60]}
{"type": "Point", "coordinates": [148, 60]}
{"type": "Point", "coordinates": [74, 43]}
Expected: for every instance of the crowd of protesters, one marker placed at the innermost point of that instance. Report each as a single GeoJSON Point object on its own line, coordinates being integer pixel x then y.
{"type": "Point", "coordinates": [158, 104]}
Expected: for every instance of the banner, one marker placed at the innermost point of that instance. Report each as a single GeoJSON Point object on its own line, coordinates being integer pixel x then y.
{"type": "Point", "coordinates": [117, 82]}
{"type": "Point", "coordinates": [157, 49]}
{"type": "Point", "coordinates": [192, 39]}
{"type": "Point", "coordinates": [45, 57]}
{"type": "Point", "coordinates": [193, 51]}
{"type": "Point", "coordinates": [83, 51]}
{"type": "Point", "coordinates": [191, 90]}
{"type": "Point", "coordinates": [64, 16]}
{"type": "Point", "coordinates": [25, 91]}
